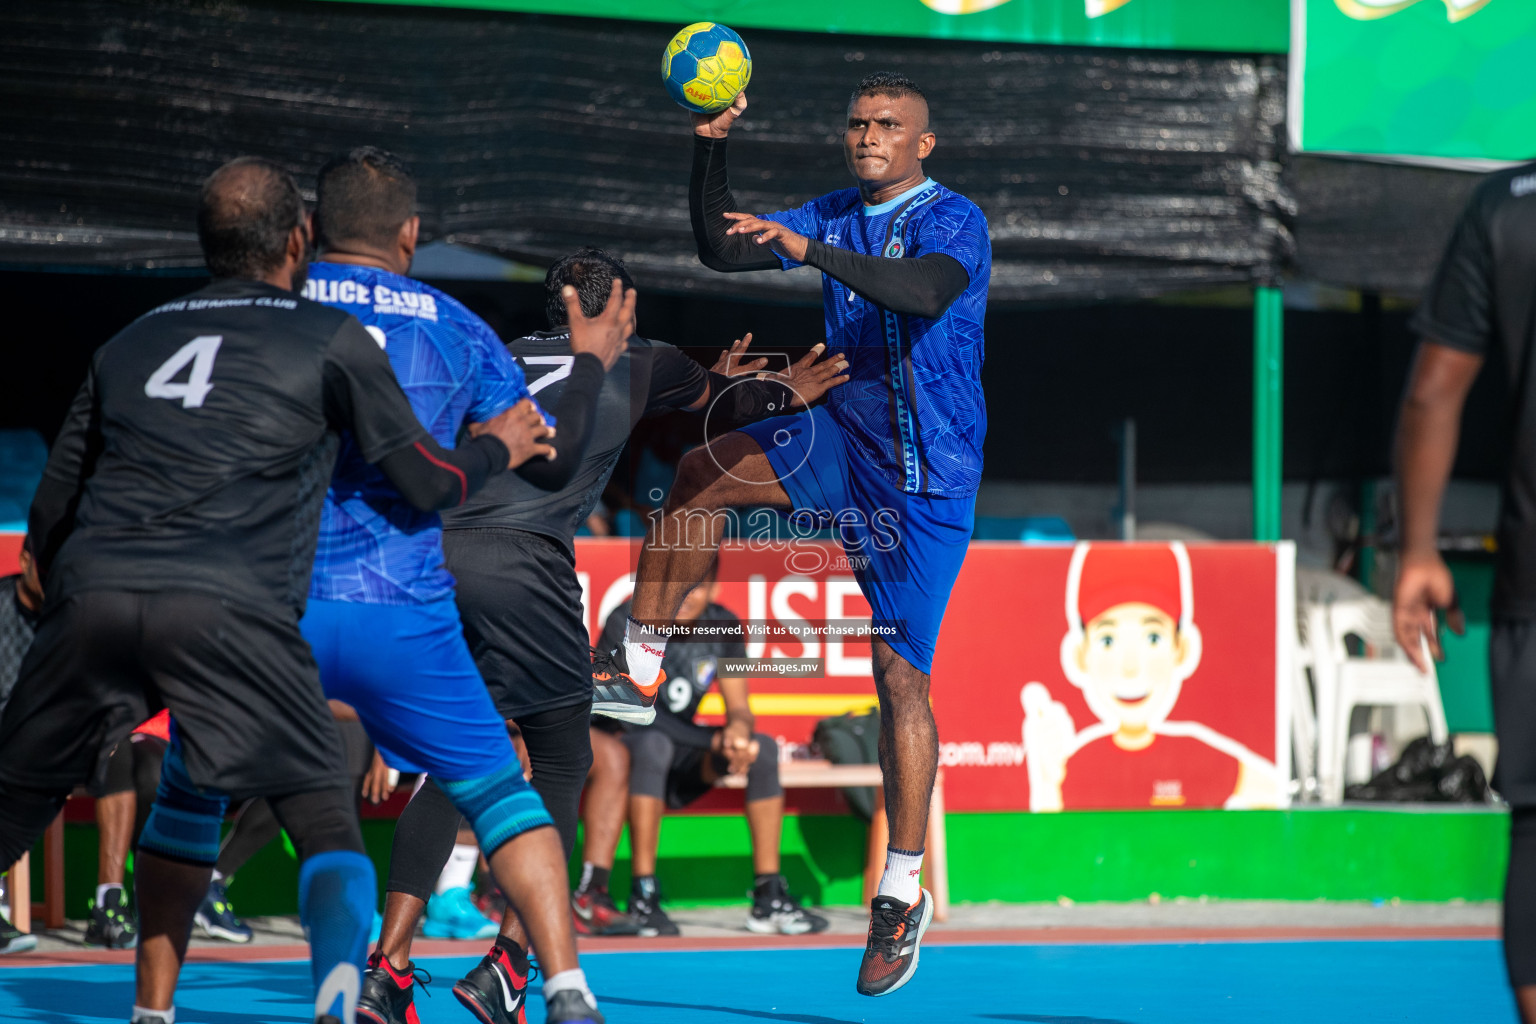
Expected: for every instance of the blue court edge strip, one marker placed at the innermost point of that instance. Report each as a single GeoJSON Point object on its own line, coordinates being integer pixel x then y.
{"type": "Point", "coordinates": [1331, 982]}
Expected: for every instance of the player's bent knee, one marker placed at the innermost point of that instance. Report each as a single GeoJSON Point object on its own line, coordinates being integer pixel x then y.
{"type": "Point", "coordinates": [321, 821]}
{"type": "Point", "coordinates": [499, 807]}
{"type": "Point", "coordinates": [763, 774]}
{"type": "Point", "coordinates": [184, 824]}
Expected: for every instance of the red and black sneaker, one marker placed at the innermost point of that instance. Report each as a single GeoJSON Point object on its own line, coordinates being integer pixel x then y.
{"type": "Point", "coordinates": [496, 990]}
{"type": "Point", "coordinates": [595, 914]}
{"type": "Point", "coordinates": [895, 932]}
{"type": "Point", "coordinates": [386, 996]}
{"type": "Point", "coordinates": [615, 694]}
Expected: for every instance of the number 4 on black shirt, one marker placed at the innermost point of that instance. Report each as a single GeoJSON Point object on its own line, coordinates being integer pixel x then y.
{"type": "Point", "coordinates": [198, 450]}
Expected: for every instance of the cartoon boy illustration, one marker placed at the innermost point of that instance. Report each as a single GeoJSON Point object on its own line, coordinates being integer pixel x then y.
{"type": "Point", "coordinates": [1131, 642]}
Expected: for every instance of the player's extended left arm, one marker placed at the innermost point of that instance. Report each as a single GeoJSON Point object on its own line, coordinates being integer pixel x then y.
{"type": "Point", "coordinates": [925, 286]}
{"type": "Point", "coordinates": [576, 413]}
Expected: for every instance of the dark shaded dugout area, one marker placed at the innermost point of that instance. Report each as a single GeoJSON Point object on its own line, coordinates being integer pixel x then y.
{"type": "Point", "coordinates": [1058, 379]}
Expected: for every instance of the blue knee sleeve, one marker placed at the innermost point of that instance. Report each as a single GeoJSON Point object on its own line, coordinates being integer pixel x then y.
{"type": "Point", "coordinates": [499, 806]}
{"type": "Point", "coordinates": [184, 822]}
{"type": "Point", "coordinates": [337, 896]}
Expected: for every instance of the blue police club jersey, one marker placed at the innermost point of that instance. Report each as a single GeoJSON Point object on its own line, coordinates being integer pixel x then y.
{"type": "Point", "coordinates": [913, 405]}
{"type": "Point", "coordinates": [375, 547]}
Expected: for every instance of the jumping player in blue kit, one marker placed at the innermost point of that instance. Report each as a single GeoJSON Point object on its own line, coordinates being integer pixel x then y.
{"type": "Point", "coordinates": [892, 461]}
{"type": "Point", "coordinates": [381, 617]}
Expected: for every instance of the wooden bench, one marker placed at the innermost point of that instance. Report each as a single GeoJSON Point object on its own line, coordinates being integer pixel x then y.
{"type": "Point", "coordinates": [826, 775]}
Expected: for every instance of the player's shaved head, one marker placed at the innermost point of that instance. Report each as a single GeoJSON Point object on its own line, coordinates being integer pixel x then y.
{"type": "Point", "coordinates": [245, 213]}
{"type": "Point", "coordinates": [591, 272]}
{"type": "Point", "coordinates": [895, 85]}
{"type": "Point", "coordinates": [363, 197]}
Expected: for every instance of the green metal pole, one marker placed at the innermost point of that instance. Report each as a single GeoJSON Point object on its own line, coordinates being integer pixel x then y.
{"type": "Point", "coordinates": [1268, 409]}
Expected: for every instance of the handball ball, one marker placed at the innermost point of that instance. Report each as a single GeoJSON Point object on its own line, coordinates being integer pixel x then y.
{"type": "Point", "coordinates": [705, 67]}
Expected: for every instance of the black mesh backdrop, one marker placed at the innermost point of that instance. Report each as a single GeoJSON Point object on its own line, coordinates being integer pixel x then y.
{"type": "Point", "coordinates": [1103, 173]}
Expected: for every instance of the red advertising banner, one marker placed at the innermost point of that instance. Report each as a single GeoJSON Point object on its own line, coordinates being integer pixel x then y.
{"type": "Point", "coordinates": [1099, 675]}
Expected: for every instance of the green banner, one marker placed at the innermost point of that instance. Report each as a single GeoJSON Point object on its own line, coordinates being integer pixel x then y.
{"type": "Point", "coordinates": [1245, 26]}
{"type": "Point", "coordinates": [1439, 80]}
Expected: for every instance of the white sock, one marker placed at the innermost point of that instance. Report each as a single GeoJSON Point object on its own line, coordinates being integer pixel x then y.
{"type": "Point", "coordinates": [103, 889]}
{"type": "Point", "coordinates": [140, 1013]}
{"type": "Point", "coordinates": [644, 649]}
{"type": "Point", "coordinates": [459, 872]}
{"type": "Point", "coordinates": [574, 978]}
{"type": "Point", "coordinates": [901, 873]}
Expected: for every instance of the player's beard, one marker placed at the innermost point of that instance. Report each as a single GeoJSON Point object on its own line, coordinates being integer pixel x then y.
{"type": "Point", "coordinates": [301, 272]}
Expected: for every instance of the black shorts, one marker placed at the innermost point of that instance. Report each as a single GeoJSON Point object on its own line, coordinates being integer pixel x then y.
{"type": "Point", "coordinates": [521, 606]}
{"type": "Point", "coordinates": [1512, 673]}
{"type": "Point", "coordinates": [242, 686]}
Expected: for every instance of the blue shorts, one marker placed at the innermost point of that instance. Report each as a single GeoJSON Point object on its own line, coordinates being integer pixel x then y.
{"type": "Point", "coordinates": [905, 549]}
{"type": "Point", "coordinates": [408, 672]}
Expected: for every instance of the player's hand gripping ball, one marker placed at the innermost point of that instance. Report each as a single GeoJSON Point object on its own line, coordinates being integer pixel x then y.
{"type": "Point", "coordinates": [706, 66]}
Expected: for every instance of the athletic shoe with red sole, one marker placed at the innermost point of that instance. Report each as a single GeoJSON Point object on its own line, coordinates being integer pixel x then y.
{"type": "Point", "coordinates": [595, 914]}
{"type": "Point", "coordinates": [496, 989]}
{"type": "Point", "coordinates": [387, 994]}
{"type": "Point", "coordinates": [895, 933]}
{"type": "Point", "coordinates": [615, 694]}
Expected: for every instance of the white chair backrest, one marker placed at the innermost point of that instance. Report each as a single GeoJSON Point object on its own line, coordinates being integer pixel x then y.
{"type": "Point", "coordinates": [1324, 586]}
{"type": "Point", "coordinates": [1370, 619]}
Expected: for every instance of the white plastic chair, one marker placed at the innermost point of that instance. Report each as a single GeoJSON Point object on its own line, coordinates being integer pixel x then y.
{"type": "Point", "coordinates": [1383, 678]}
{"type": "Point", "coordinates": [1316, 589]}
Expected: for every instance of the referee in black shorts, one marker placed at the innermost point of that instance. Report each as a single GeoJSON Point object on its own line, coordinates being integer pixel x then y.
{"type": "Point", "coordinates": [175, 531]}
{"type": "Point", "coordinates": [1482, 305]}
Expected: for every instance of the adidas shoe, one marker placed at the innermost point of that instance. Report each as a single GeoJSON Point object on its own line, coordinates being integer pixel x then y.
{"type": "Point", "coordinates": [647, 914]}
{"type": "Point", "coordinates": [114, 925]}
{"type": "Point", "coordinates": [776, 912]}
{"type": "Point", "coordinates": [453, 915]}
{"type": "Point", "coordinates": [387, 995]}
{"type": "Point", "coordinates": [217, 918]}
{"type": "Point", "coordinates": [595, 914]}
{"type": "Point", "coordinates": [895, 932]}
{"type": "Point", "coordinates": [569, 1006]}
{"type": "Point", "coordinates": [496, 990]}
{"type": "Point", "coordinates": [615, 694]}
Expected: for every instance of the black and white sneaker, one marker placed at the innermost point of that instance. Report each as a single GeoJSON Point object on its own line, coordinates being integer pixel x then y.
{"type": "Point", "coordinates": [496, 989]}
{"type": "Point", "coordinates": [615, 694]}
{"type": "Point", "coordinates": [895, 933]}
{"type": "Point", "coordinates": [647, 913]}
{"type": "Point", "coordinates": [569, 1006]}
{"type": "Point", "coordinates": [112, 925]}
{"type": "Point", "coordinates": [776, 912]}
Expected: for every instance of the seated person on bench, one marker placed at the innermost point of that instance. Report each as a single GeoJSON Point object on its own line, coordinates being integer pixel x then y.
{"type": "Point", "coordinates": [674, 761]}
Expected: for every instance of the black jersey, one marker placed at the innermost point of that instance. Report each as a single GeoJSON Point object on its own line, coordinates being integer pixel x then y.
{"type": "Point", "coordinates": [201, 443]}
{"type": "Point", "coordinates": [1483, 300]}
{"type": "Point", "coordinates": [650, 377]}
{"type": "Point", "coordinates": [692, 663]}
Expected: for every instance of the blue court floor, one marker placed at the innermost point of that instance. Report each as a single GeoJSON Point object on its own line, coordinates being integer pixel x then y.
{"type": "Point", "coordinates": [1353, 982]}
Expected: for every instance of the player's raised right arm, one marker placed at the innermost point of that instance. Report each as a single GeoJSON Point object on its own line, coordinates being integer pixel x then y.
{"type": "Point", "coordinates": [710, 198]}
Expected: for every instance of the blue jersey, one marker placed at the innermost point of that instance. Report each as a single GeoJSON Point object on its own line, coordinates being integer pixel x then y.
{"type": "Point", "coordinates": [375, 547]}
{"type": "Point", "coordinates": [913, 405]}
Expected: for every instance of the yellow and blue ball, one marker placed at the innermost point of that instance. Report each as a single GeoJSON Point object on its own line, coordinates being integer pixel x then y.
{"type": "Point", "coordinates": [705, 67]}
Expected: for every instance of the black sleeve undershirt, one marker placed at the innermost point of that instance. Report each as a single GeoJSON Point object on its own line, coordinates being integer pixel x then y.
{"type": "Point", "coordinates": [734, 402]}
{"type": "Point", "coordinates": [575, 414]}
{"type": "Point", "coordinates": [709, 199]}
{"type": "Point", "coordinates": [433, 478]}
{"type": "Point", "coordinates": [925, 286]}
